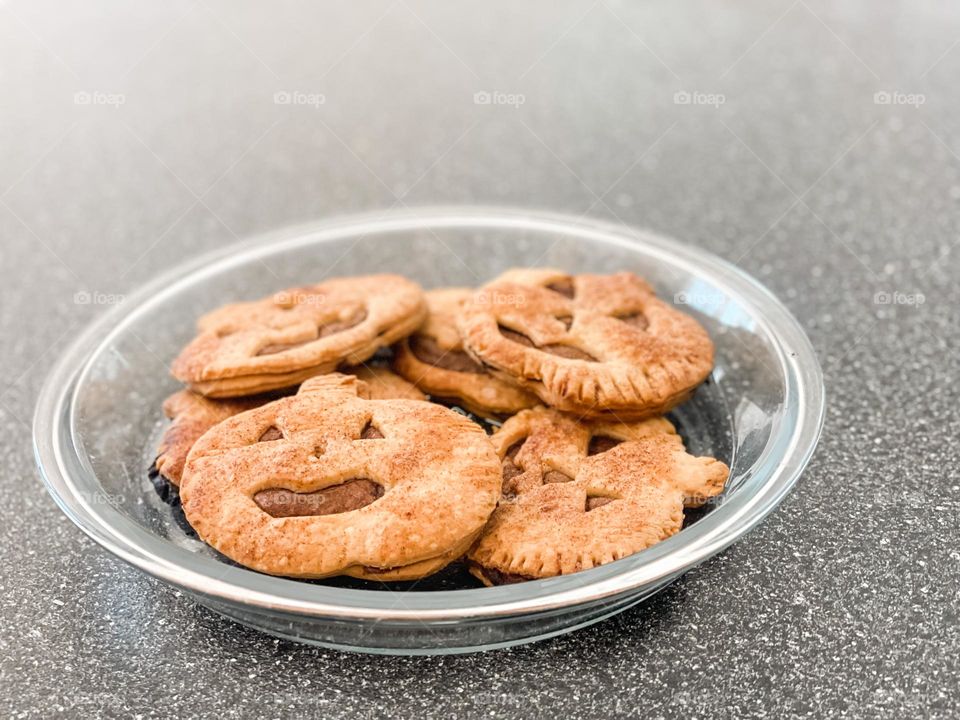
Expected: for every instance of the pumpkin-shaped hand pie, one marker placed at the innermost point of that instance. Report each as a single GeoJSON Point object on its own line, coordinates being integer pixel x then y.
{"type": "Point", "coordinates": [193, 414]}
{"type": "Point", "coordinates": [594, 345]}
{"type": "Point", "coordinates": [434, 360]}
{"type": "Point", "coordinates": [280, 341]}
{"type": "Point", "coordinates": [327, 483]}
{"type": "Point", "coordinates": [581, 494]}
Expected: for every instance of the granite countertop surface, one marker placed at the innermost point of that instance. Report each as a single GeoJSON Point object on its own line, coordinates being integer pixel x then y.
{"type": "Point", "coordinates": [815, 145]}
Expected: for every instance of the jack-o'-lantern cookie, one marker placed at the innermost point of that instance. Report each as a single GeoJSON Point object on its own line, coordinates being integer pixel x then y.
{"type": "Point", "coordinates": [328, 483]}
{"type": "Point", "coordinates": [593, 345]}
{"type": "Point", "coordinates": [280, 341]}
{"type": "Point", "coordinates": [581, 494]}
{"type": "Point", "coordinates": [192, 414]}
{"type": "Point", "coordinates": [434, 360]}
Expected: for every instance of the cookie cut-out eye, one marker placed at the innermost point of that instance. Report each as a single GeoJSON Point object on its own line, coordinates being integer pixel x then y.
{"type": "Point", "coordinates": [270, 434]}
{"type": "Point", "coordinates": [601, 443]}
{"type": "Point", "coordinates": [370, 432]}
{"type": "Point", "coordinates": [595, 501]}
{"type": "Point", "coordinates": [636, 320]}
{"type": "Point", "coordinates": [350, 495]}
{"type": "Point", "coordinates": [336, 326]}
{"type": "Point", "coordinates": [564, 287]}
{"type": "Point", "coordinates": [555, 476]}
{"type": "Point", "coordinates": [509, 468]}
{"type": "Point", "coordinates": [566, 320]}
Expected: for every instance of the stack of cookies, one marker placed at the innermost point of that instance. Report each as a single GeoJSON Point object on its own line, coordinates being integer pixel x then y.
{"type": "Point", "coordinates": [316, 438]}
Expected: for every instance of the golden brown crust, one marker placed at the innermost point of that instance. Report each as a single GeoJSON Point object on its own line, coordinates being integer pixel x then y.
{"type": "Point", "coordinates": [280, 341]}
{"type": "Point", "coordinates": [431, 463]}
{"type": "Point", "coordinates": [564, 510]}
{"type": "Point", "coordinates": [612, 350]}
{"type": "Point", "coordinates": [192, 414]}
{"type": "Point", "coordinates": [415, 570]}
{"type": "Point", "coordinates": [381, 383]}
{"type": "Point", "coordinates": [476, 390]}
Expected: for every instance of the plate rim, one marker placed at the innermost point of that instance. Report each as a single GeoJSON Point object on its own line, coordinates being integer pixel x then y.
{"type": "Point", "coordinates": [671, 557]}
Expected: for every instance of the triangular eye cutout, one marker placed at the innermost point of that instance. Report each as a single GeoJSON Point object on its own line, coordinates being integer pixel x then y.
{"type": "Point", "coordinates": [601, 443]}
{"type": "Point", "coordinates": [635, 320]}
{"type": "Point", "coordinates": [370, 432]}
{"type": "Point", "coordinates": [509, 468]}
{"type": "Point", "coordinates": [595, 501]}
{"type": "Point", "coordinates": [564, 287]}
{"type": "Point", "coordinates": [555, 476]}
{"type": "Point", "coordinates": [334, 326]}
{"type": "Point", "coordinates": [270, 434]}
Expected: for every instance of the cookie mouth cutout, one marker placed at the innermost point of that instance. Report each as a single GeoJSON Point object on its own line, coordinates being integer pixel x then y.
{"type": "Point", "coordinates": [347, 496]}
{"type": "Point", "coordinates": [427, 351]}
{"type": "Point", "coordinates": [565, 351]}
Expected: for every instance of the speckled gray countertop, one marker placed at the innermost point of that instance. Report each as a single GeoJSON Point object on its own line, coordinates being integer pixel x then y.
{"type": "Point", "coordinates": [813, 144]}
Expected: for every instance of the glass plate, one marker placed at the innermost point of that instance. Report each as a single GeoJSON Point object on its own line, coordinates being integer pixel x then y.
{"type": "Point", "coordinates": [98, 419]}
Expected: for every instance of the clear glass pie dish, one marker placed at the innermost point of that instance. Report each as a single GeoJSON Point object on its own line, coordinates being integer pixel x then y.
{"type": "Point", "coordinates": [99, 417]}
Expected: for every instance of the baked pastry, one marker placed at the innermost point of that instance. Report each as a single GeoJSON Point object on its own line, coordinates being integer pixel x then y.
{"type": "Point", "coordinates": [280, 341]}
{"type": "Point", "coordinates": [192, 414]}
{"type": "Point", "coordinates": [434, 360]}
{"type": "Point", "coordinates": [592, 345]}
{"type": "Point", "coordinates": [327, 483]}
{"type": "Point", "coordinates": [581, 494]}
